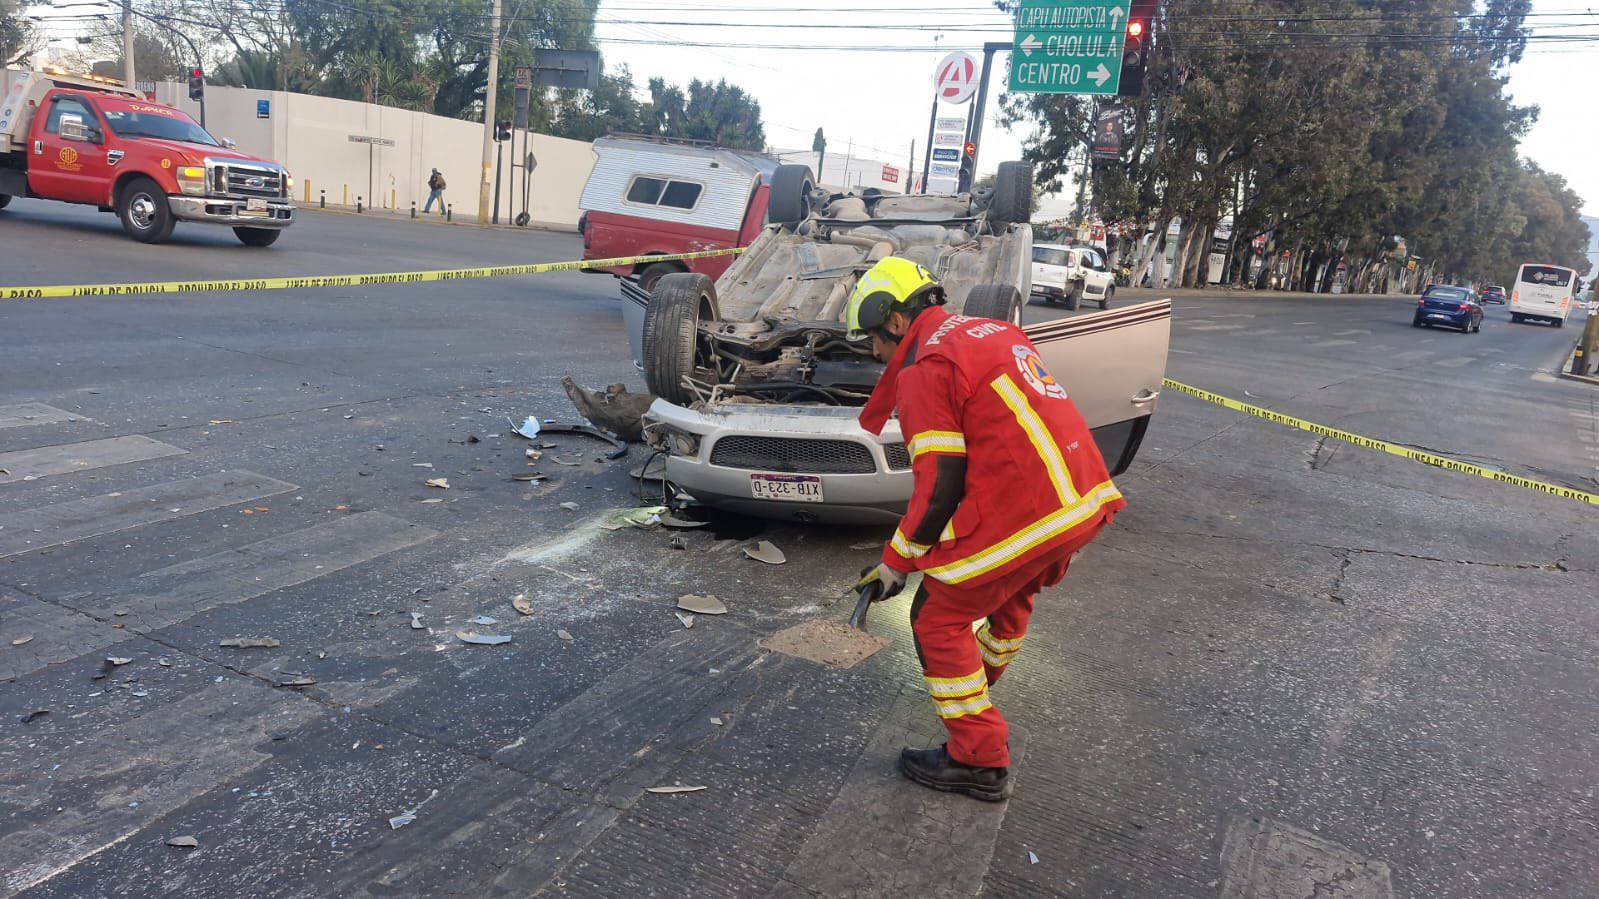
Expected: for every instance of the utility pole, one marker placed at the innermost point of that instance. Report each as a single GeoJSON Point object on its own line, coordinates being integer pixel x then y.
{"type": "Point", "coordinates": [127, 43]}
{"type": "Point", "coordinates": [488, 116]}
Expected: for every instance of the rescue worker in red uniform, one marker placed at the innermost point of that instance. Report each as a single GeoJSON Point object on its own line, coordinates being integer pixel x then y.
{"type": "Point", "coordinates": [1009, 485]}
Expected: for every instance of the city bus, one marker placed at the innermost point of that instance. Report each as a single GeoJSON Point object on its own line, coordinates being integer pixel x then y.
{"type": "Point", "coordinates": [1543, 293]}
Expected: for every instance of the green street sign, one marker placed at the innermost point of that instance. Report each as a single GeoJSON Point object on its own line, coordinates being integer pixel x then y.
{"type": "Point", "coordinates": [1069, 46]}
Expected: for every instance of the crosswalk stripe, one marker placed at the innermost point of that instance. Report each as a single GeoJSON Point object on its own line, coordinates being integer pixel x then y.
{"type": "Point", "coordinates": [169, 595]}
{"type": "Point", "coordinates": [52, 460]}
{"type": "Point", "coordinates": [53, 525]}
{"type": "Point", "coordinates": [21, 414]}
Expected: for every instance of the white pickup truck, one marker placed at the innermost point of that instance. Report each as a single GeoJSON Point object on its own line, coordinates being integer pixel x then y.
{"type": "Point", "coordinates": [1069, 275]}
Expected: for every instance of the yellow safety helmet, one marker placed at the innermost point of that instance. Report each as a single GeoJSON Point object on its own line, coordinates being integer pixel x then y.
{"type": "Point", "coordinates": [895, 284]}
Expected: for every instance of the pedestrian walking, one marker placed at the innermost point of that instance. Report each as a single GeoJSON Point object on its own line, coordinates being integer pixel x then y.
{"type": "Point", "coordinates": [1008, 486]}
{"type": "Point", "coordinates": [435, 192]}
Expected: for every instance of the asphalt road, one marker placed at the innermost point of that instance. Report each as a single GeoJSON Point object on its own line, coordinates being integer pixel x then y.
{"type": "Point", "coordinates": [1290, 662]}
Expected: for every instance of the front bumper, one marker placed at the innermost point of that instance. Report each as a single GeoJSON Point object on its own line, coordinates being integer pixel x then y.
{"type": "Point", "coordinates": [229, 211]}
{"type": "Point", "coordinates": [857, 497]}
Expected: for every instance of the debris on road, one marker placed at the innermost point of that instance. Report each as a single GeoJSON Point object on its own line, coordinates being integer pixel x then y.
{"type": "Point", "coordinates": [34, 715]}
{"type": "Point", "coordinates": [615, 410]}
{"type": "Point", "coordinates": [23, 640]}
{"type": "Point", "coordinates": [483, 620]}
{"type": "Point", "coordinates": [295, 679]}
{"type": "Point", "coordinates": [430, 502]}
{"type": "Point", "coordinates": [672, 521]}
{"type": "Point", "coordinates": [477, 639]}
{"type": "Point", "coordinates": [570, 507]}
{"type": "Point", "coordinates": [673, 788]}
{"type": "Point", "coordinates": [704, 605]}
{"type": "Point", "coordinates": [869, 544]}
{"type": "Point", "coordinates": [421, 464]}
{"type": "Point", "coordinates": [830, 643]}
{"type": "Point", "coordinates": [185, 842]}
{"type": "Point", "coordinates": [717, 721]}
{"type": "Point", "coordinates": [764, 551]}
{"type": "Point", "coordinates": [559, 461]}
{"type": "Point", "coordinates": [416, 622]}
{"type": "Point", "coordinates": [564, 635]}
{"type": "Point", "coordinates": [620, 446]}
{"type": "Point", "coordinates": [116, 661]}
{"type": "Point", "coordinates": [653, 470]}
{"type": "Point", "coordinates": [250, 643]}
{"type": "Point", "coordinates": [1032, 857]}
{"type": "Point", "coordinates": [521, 604]}
{"type": "Point", "coordinates": [533, 454]}
{"type": "Point", "coordinates": [529, 428]}
{"type": "Point", "coordinates": [530, 476]}
{"type": "Point", "coordinates": [685, 618]}
{"type": "Point", "coordinates": [404, 818]}
{"type": "Point", "coordinates": [442, 483]}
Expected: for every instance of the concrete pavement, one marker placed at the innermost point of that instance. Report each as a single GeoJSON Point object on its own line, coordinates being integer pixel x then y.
{"type": "Point", "coordinates": [1289, 662]}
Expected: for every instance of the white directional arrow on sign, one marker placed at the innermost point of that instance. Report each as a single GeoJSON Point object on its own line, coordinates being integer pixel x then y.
{"type": "Point", "coordinates": [1100, 75]}
{"type": "Point", "coordinates": [1029, 44]}
{"type": "Point", "coordinates": [1115, 16]}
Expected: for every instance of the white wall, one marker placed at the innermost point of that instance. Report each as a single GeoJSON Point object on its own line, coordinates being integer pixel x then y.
{"type": "Point", "coordinates": [848, 171]}
{"type": "Point", "coordinates": [311, 136]}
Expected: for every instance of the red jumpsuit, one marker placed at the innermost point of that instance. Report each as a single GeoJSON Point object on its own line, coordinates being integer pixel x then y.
{"type": "Point", "coordinates": [1008, 486]}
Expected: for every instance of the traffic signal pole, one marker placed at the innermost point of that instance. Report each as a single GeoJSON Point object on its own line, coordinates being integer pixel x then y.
{"type": "Point", "coordinates": [491, 89]}
{"type": "Point", "coordinates": [127, 43]}
{"type": "Point", "coordinates": [974, 128]}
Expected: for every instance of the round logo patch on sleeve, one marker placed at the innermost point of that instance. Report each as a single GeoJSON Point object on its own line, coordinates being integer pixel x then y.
{"type": "Point", "coordinates": [1035, 374]}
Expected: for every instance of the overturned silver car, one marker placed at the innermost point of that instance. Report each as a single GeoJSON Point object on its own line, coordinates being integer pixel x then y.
{"type": "Point", "coordinates": [759, 384]}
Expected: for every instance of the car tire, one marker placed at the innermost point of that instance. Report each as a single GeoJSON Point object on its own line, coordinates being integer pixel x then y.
{"type": "Point", "coordinates": [1415, 323]}
{"type": "Point", "coordinates": [1001, 302]}
{"type": "Point", "coordinates": [5, 200]}
{"type": "Point", "coordinates": [1515, 317]}
{"type": "Point", "coordinates": [1012, 202]}
{"type": "Point", "coordinates": [653, 273]}
{"type": "Point", "coordinates": [1075, 298]}
{"type": "Point", "coordinates": [790, 200]}
{"type": "Point", "coordinates": [1560, 323]}
{"type": "Point", "coordinates": [671, 333]}
{"type": "Point", "coordinates": [146, 216]}
{"type": "Point", "coordinates": [1104, 302]}
{"type": "Point", "coordinates": [257, 237]}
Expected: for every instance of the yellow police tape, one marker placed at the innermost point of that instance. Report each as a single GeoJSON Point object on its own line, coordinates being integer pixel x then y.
{"type": "Point", "coordinates": [1393, 449]}
{"type": "Point", "coordinates": [296, 283]}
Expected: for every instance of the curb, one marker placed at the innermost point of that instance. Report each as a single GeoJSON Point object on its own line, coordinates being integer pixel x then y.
{"type": "Point", "coordinates": [430, 219]}
{"type": "Point", "coordinates": [1566, 372]}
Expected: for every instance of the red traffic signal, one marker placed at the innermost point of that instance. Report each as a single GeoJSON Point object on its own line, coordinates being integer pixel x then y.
{"type": "Point", "coordinates": [1135, 29]}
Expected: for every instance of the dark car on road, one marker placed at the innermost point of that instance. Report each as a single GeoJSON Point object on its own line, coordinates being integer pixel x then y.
{"type": "Point", "coordinates": [1453, 306]}
{"type": "Point", "coordinates": [1493, 293]}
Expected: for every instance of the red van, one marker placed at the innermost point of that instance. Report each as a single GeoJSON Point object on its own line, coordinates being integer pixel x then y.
{"type": "Point", "coordinates": [649, 197]}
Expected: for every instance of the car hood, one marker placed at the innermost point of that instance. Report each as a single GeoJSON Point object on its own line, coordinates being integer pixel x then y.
{"type": "Point", "coordinates": [194, 154]}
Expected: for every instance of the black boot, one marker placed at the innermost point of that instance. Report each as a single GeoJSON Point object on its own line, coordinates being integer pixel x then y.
{"type": "Point", "coordinates": [934, 768]}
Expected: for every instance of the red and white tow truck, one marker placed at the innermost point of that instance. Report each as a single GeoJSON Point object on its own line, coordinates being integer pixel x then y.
{"type": "Point", "coordinates": [91, 140]}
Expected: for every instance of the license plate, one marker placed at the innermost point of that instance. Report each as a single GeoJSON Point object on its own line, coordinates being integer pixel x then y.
{"type": "Point", "coordinates": [794, 488]}
{"type": "Point", "coordinates": [259, 207]}
{"type": "Point", "coordinates": [1436, 315]}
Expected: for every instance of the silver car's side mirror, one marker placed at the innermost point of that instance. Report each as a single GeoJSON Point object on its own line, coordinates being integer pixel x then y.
{"type": "Point", "coordinates": [71, 128]}
{"type": "Point", "coordinates": [228, 142]}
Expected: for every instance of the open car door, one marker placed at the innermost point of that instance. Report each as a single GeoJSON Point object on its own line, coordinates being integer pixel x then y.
{"type": "Point", "coordinates": [1112, 364]}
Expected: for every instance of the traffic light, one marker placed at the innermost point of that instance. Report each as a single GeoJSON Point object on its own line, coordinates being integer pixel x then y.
{"type": "Point", "coordinates": [968, 170]}
{"type": "Point", "coordinates": [502, 130]}
{"type": "Point", "coordinates": [1135, 51]}
{"type": "Point", "coordinates": [197, 83]}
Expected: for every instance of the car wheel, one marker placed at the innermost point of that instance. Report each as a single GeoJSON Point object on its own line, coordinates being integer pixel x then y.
{"type": "Point", "coordinates": [257, 237]}
{"type": "Point", "coordinates": [1104, 303]}
{"type": "Point", "coordinates": [997, 301]}
{"type": "Point", "coordinates": [1415, 323]}
{"type": "Point", "coordinates": [5, 200]}
{"type": "Point", "coordinates": [1075, 298]}
{"type": "Point", "coordinates": [652, 274]}
{"type": "Point", "coordinates": [146, 216]}
{"type": "Point", "coordinates": [1560, 323]}
{"type": "Point", "coordinates": [671, 333]}
{"type": "Point", "coordinates": [1012, 201]}
{"type": "Point", "coordinates": [790, 199]}
{"type": "Point", "coordinates": [1515, 317]}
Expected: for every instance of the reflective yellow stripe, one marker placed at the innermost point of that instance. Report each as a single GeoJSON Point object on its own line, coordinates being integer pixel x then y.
{"type": "Point", "coordinates": [949, 531]}
{"type": "Point", "coordinates": [957, 687]}
{"type": "Point", "coordinates": [995, 651]}
{"type": "Point", "coordinates": [1043, 442]}
{"type": "Point", "coordinates": [952, 442]}
{"type": "Point", "coordinates": [1039, 532]}
{"type": "Point", "coordinates": [961, 708]}
{"type": "Point", "coordinates": [987, 638]}
{"type": "Point", "coordinates": [906, 548]}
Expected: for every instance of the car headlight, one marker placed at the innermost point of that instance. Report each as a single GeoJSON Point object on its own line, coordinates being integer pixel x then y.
{"type": "Point", "coordinates": [288, 184]}
{"type": "Point", "coordinates": [191, 179]}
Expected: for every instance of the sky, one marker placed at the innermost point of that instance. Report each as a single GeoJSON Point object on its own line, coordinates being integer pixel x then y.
{"type": "Point", "coordinates": [880, 98]}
